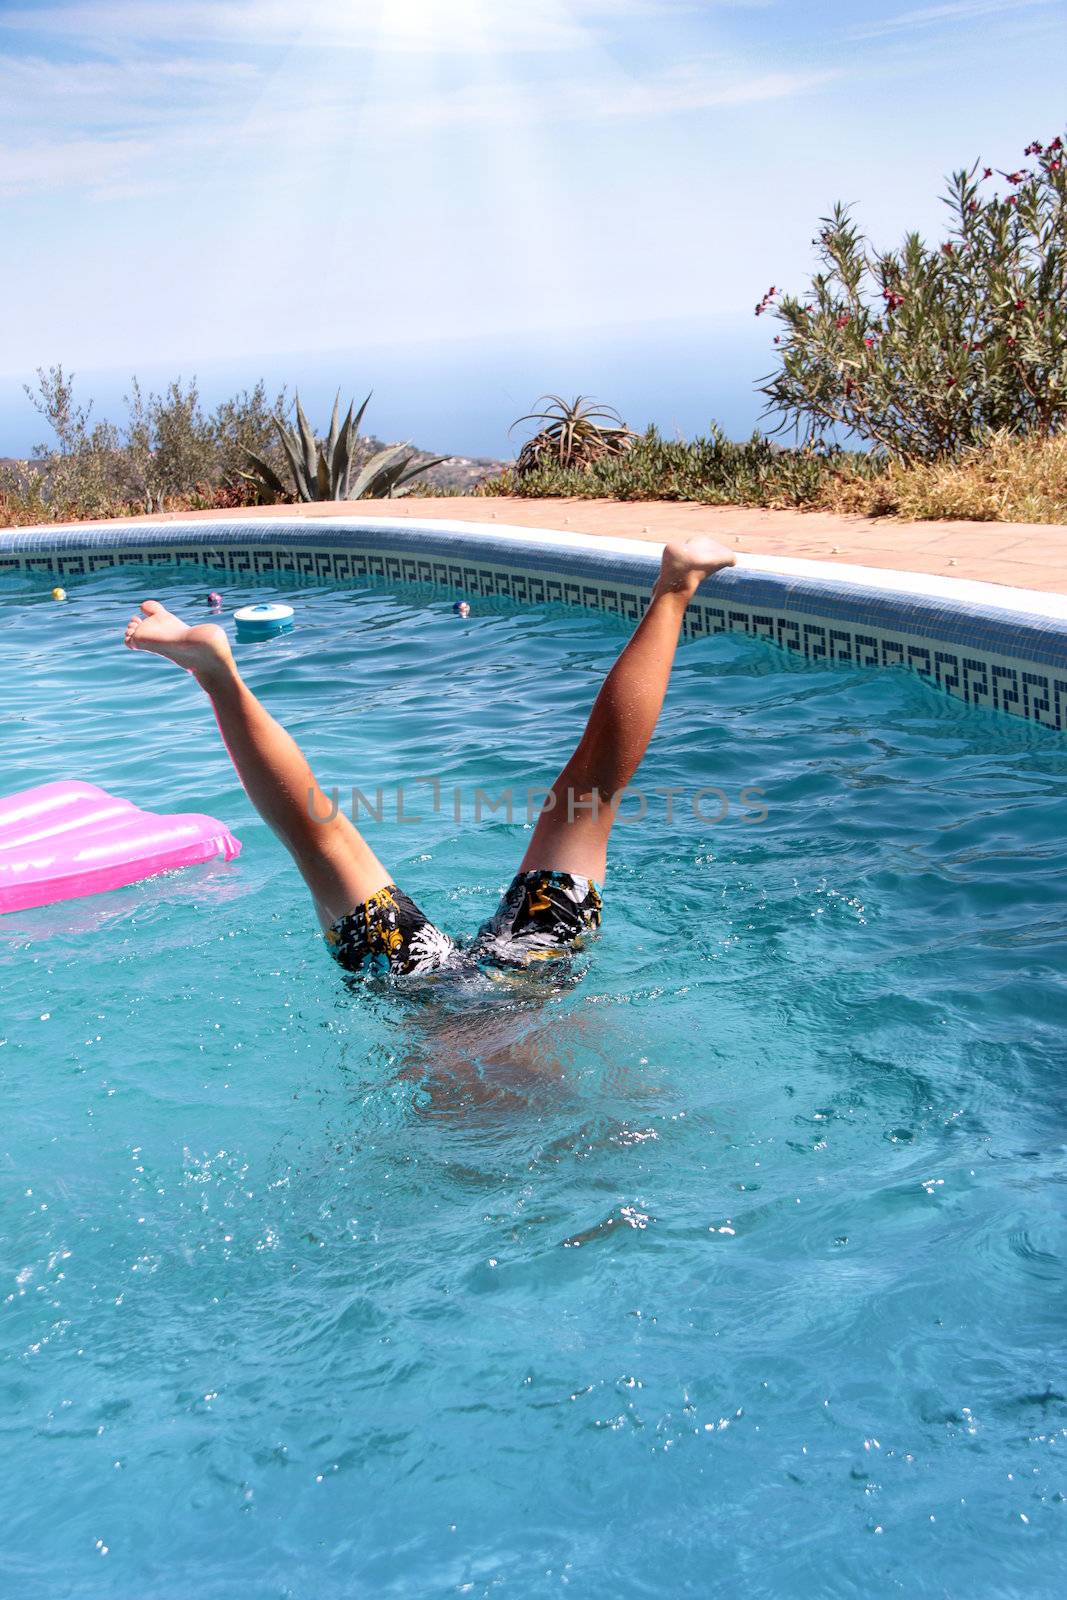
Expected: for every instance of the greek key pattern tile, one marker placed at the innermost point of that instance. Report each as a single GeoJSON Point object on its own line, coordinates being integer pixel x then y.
{"type": "Point", "coordinates": [1005, 662]}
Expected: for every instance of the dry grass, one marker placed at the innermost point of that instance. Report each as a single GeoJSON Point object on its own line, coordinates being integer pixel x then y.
{"type": "Point", "coordinates": [25, 506]}
{"type": "Point", "coordinates": [1007, 480]}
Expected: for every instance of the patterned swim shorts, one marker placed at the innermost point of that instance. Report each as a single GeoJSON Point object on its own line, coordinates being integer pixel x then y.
{"type": "Point", "coordinates": [543, 915]}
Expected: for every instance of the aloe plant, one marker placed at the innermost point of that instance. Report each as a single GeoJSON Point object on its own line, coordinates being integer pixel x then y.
{"type": "Point", "coordinates": [575, 435]}
{"type": "Point", "coordinates": [331, 468]}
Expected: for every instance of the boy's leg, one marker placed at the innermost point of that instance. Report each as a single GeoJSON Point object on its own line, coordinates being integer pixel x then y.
{"type": "Point", "coordinates": [338, 865]}
{"type": "Point", "coordinates": [573, 836]}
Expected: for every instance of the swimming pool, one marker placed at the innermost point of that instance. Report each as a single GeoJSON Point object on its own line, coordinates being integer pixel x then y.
{"type": "Point", "coordinates": [736, 1268]}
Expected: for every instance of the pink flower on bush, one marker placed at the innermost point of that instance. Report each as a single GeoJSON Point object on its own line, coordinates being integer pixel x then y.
{"type": "Point", "coordinates": [843, 320]}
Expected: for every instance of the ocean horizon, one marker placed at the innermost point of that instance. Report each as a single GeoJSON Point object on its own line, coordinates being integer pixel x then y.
{"type": "Point", "coordinates": [460, 396]}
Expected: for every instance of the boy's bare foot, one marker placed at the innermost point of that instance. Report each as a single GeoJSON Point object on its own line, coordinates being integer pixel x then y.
{"type": "Point", "coordinates": [686, 562]}
{"type": "Point", "coordinates": [199, 650]}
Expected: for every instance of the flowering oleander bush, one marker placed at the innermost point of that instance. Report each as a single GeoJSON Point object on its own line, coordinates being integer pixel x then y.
{"type": "Point", "coordinates": [927, 352]}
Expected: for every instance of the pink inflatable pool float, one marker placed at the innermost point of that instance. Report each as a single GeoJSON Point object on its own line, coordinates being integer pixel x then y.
{"type": "Point", "coordinates": [64, 840]}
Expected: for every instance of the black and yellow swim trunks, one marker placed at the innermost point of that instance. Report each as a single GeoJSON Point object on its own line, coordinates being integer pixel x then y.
{"type": "Point", "coordinates": [542, 916]}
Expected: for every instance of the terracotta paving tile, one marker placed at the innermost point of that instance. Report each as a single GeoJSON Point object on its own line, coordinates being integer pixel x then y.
{"type": "Point", "coordinates": [1030, 555]}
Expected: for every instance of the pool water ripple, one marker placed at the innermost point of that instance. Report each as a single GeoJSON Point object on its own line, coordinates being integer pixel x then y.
{"type": "Point", "coordinates": [734, 1268]}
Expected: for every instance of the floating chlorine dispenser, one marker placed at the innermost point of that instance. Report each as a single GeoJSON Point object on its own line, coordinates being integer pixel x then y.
{"type": "Point", "coordinates": [263, 622]}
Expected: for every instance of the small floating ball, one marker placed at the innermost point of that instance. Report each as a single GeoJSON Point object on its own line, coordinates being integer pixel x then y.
{"type": "Point", "coordinates": [214, 601]}
{"type": "Point", "coordinates": [58, 593]}
{"type": "Point", "coordinates": [461, 608]}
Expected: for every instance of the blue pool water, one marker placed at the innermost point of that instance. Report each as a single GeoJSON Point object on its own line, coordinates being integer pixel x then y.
{"type": "Point", "coordinates": [736, 1269]}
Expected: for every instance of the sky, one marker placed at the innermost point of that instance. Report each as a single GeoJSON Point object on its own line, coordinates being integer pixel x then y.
{"type": "Point", "coordinates": [465, 203]}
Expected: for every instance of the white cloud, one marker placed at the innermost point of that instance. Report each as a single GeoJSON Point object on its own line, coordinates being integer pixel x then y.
{"type": "Point", "coordinates": [126, 128]}
{"type": "Point", "coordinates": [38, 91]}
{"type": "Point", "coordinates": [953, 12]}
{"type": "Point", "coordinates": [68, 163]}
{"type": "Point", "coordinates": [701, 87]}
{"type": "Point", "coordinates": [679, 90]}
{"type": "Point", "coordinates": [461, 27]}
{"type": "Point", "coordinates": [109, 129]}
{"type": "Point", "coordinates": [121, 101]}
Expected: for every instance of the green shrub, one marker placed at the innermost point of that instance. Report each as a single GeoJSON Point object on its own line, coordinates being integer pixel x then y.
{"type": "Point", "coordinates": [169, 444]}
{"type": "Point", "coordinates": [926, 352]}
{"type": "Point", "coordinates": [1005, 479]}
{"type": "Point", "coordinates": [168, 451]}
{"type": "Point", "coordinates": [85, 469]}
{"type": "Point", "coordinates": [712, 469]}
{"type": "Point", "coordinates": [244, 425]}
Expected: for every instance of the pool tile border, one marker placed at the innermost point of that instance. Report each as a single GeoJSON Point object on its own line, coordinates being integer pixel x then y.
{"type": "Point", "coordinates": [989, 654]}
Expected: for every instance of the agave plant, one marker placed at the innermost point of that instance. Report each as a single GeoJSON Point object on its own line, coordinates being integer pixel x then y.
{"type": "Point", "coordinates": [575, 434]}
{"type": "Point", "coordinates": [331, 468]}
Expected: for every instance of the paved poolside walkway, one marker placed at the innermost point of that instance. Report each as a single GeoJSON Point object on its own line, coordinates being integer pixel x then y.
{"type": "Point", "coordinates": [1027, 554]}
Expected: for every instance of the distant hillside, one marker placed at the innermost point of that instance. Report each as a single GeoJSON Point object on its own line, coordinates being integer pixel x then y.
{"type": "Point", "coordinates": [461, 473]}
